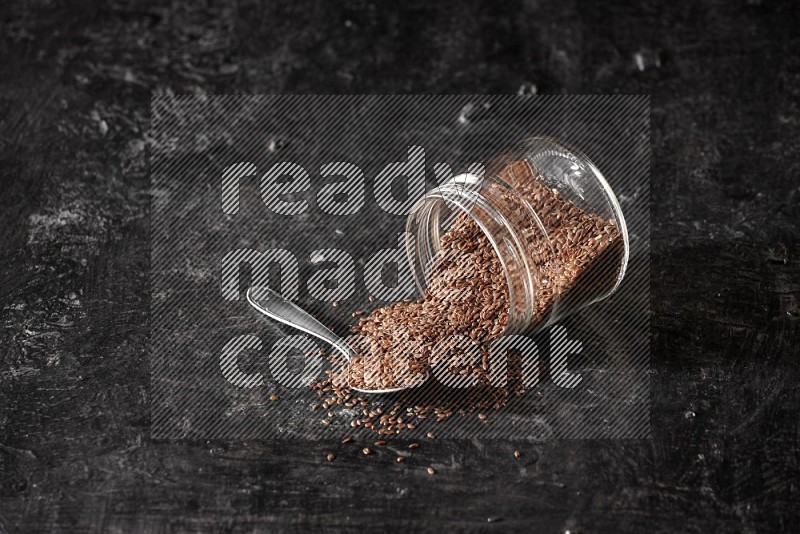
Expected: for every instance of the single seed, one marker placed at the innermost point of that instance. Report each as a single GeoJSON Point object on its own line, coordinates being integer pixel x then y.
{"type": "Point", "coordinates": [401, 459]}
{"type": "Point", "coordinates": [517, 454]}
{"type": "Point", "coordinates": [380, 443]}
{"type": "Point", "coordinates": [367, 451]}
{"type": "Point", "coordinates": [274, 397]}
{"type": "Point", "coordinates": [431, 471]}
{"type": "Point", "coordinates": [413, 445]}
{"type": "Point", "coordinates": [347, 440]}
{"type": "Point", "coordinates": [331, 457]}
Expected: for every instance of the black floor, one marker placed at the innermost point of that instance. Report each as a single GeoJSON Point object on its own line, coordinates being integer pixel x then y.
{"type": "Point", "coordinates": [75, 88]}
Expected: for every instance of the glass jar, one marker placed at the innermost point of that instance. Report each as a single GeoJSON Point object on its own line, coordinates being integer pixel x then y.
{"type": "Point", "coordinates": [551, 218]}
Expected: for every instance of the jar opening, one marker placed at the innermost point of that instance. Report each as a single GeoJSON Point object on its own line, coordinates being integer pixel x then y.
{"type": "Point", "coordinates": [433, 215]}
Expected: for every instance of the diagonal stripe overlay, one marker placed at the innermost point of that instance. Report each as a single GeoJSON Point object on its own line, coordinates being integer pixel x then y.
{"type": "Point", "coordinates": [308, 195]}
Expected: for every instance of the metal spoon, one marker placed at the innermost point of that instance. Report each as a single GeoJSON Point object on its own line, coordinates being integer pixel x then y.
{"type": "Point", "coordinates": [276, 307]}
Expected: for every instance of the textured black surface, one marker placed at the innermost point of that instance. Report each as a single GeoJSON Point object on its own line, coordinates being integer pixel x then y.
{"type": "Point", "coordinates": [75, 88]}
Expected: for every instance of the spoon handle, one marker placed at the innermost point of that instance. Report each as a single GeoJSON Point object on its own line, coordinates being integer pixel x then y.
{"type": "Point", "coordinates": [276, 307]}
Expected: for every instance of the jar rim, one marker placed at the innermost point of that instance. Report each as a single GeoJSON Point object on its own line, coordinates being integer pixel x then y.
{"type": "Point", "coordinates": [460, 193]}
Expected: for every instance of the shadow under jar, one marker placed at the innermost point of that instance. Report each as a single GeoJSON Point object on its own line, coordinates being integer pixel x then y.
{"type": "Point", "coordinates": [551, 218]}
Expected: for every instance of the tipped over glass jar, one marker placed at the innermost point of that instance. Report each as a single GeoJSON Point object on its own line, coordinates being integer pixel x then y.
{"type": "Point", "coordinates": [551, 219]}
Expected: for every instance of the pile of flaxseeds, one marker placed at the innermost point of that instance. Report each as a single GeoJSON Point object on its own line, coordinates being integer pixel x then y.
{"type": "Point", "coordinates": [574, 258]}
